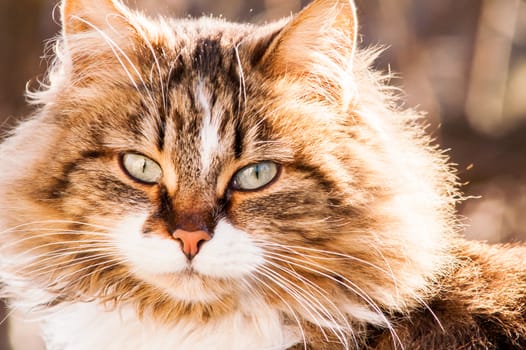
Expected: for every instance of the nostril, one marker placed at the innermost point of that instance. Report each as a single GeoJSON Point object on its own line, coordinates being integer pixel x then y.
{"type": "Point", "coordinates": [191, 241]}
{"type": "Point", "coordinates": [200, 243]}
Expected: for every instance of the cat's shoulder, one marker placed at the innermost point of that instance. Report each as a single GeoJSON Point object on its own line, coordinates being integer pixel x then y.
{"type": "Point", "coordinates": [480, 303]}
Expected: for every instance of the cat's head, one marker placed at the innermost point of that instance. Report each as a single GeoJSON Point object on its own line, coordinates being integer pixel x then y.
{"type": "Point", "coordinates": [192, 166]}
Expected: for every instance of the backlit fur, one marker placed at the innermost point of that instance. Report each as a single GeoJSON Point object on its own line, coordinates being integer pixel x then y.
{"type": "Point", "coordinates": [351, 246]}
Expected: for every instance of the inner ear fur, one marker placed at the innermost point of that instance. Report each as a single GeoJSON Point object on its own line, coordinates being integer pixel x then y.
{"type": "Point", "coordinates": [326, 30]}
{"type": "Point", "coordinates": [97, 33]}
{"type": "Point", "coordinates": [80, 16]}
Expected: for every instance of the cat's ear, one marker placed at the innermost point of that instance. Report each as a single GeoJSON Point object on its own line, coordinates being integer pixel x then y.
{"type": "Point", "coordinates": [92, 27]}
{"type": "Point", "coordinates": [80, 16]}
{"type": "Point", "coordinates": [324, 32]}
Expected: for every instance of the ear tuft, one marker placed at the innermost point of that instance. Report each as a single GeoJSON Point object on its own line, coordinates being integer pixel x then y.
{"type": "Point", "coordinates": [95, 33]}
{"type": "Point", "coordinates": [80, 16]}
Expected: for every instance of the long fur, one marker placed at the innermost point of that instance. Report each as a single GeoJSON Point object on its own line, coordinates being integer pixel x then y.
{"type": "Point", "coordinates": [354, 245]}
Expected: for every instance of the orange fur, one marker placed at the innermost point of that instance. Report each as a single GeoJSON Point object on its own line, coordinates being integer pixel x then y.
{"type": "Point", "coordinates": [355, 244]}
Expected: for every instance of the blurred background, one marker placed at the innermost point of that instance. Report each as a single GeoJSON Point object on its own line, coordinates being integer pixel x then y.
{"type": "Point", "coordinates": [464, 62]}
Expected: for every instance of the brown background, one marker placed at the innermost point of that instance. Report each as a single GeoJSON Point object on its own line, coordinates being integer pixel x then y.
{"type": "Point", "coordinates": [462, 61]}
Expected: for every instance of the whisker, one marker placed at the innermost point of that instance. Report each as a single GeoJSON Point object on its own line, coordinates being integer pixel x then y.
{"type": "Point", "coordinates": [293, 313]}
{"type": "Point", "coordinates": [352, 285]}
{"type": "Point", "coordinates": [54, 234]}
{"type": "Point", "coordinates": [118, 52]}
{"type": "Point", "coordinates": [157, 64]}
{"type": "Point", "coordinates": [342, 281]}
{"type": "Point", "coordinates": [336, 255]}
{"type": "Point", "coordinates": [112, 262]}
{"type": "Point", "coordinates": [242, 83]}
{"type": "Point", "coordinates": [70, 263]}
{"type": "Point", "coordinates": [43, 222]}
{"type": "Point", "coordinates": [389, 272]}
{"type": "Point", "coordinates": [49, 256]}
{"type": "Point", "coordinates": [300, 299]}
{"type": "Point", "coordinates": [8, 314]}
{"type": "Point", "coordinates": [321, 310]}
{"type": "Point", "coordinates": [323, 293]}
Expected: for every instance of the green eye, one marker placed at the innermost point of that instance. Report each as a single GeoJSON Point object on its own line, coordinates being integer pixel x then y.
{"type": "Point", "coordinates": [255, 176]}
{"type": "Point", "coordinates": [141, 168]}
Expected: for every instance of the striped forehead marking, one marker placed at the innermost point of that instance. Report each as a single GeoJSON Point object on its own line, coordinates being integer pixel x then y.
{"type": "Point", "coordinates": [209, 134]}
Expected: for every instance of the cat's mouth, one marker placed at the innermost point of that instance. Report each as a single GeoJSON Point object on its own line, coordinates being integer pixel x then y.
{"type": "Point", "coordinates": [191, 286]}
{"type": "Point", "coordinates": [186, 274]}
{"type": "Point", "coordinates": [190, 271]}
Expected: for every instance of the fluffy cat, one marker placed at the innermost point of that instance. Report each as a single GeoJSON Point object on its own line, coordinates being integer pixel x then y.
{"type": "Point", "coordinates": [199, 184]}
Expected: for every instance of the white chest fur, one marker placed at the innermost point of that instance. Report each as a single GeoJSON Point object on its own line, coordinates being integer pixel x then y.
{"type": "Point", "coordinates": [88, 327]}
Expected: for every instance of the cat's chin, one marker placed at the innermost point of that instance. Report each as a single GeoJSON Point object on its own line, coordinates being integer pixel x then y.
{"type": "Point", "coordinates": [191, 287]}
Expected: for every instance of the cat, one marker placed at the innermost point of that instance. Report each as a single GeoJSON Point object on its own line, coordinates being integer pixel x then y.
{"type": "Point", "coordinates": [200, 184]}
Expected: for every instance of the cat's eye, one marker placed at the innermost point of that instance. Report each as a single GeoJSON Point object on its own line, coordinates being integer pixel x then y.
{"type": "Point", "coordinates": [141, 168]}
{"type": "Point", "coordinates": [255, 176]}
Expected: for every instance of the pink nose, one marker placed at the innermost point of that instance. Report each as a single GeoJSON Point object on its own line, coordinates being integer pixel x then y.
{"type": "Point", "coordinates": [191, 240]}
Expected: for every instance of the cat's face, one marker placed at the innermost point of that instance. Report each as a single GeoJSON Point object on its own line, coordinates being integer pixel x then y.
{"type": "Point", "coordinates": [181, 164]}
